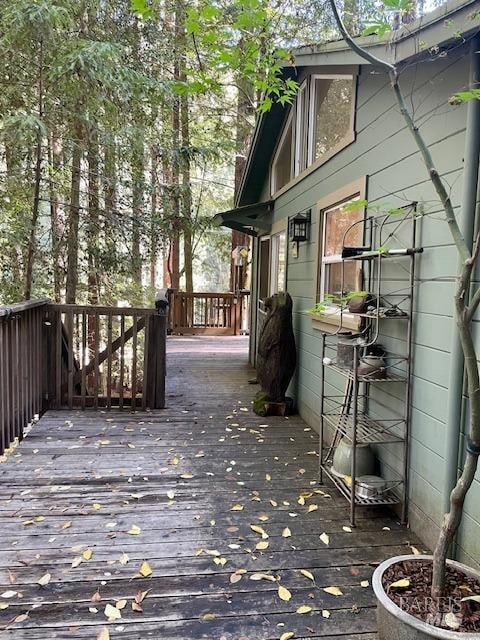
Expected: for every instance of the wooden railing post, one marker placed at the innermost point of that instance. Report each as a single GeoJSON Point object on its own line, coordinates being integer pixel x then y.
{"type": "Point", "coordinates": [155, 364]}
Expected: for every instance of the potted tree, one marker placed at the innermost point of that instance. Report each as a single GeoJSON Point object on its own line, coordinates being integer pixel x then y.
{"type": "Point", "coordinates": [422, 597]}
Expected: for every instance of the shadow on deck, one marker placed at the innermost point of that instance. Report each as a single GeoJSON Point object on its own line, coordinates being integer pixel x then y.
{"type": "Point", "coordinates": [180, 489]}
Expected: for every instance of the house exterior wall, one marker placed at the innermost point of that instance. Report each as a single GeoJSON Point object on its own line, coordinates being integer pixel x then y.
{"type": "Point", "coordinates": [384, 152]}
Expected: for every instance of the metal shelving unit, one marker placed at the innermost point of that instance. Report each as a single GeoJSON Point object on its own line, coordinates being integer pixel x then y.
{"type": "Point", "coordinates": [349, 416]}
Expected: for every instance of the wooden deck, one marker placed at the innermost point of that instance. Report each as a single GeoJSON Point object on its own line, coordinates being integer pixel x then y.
{"type": "Point", "coordinates": [161, 487]}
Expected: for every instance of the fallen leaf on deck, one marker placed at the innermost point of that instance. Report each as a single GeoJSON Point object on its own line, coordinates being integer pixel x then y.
{"type": "Point", "coordinates": [312, 507]}
{"type": "Point", "coordinates": [208, 617]}
{"type": "Point", "coordinates": [170, 495]}
{"type": "Point", "coordinates": [347, 529]}
{"type": "Point", "coordinates": [286, 533]}
{"type": "Point", "coordinates": [287, 635]}
{"type": "Point", "coordinates": [77, 561]}
{"type": "Point", "coordinates": [262, 545]}
{"type": "Point", "coordinates": [9, 594]}
{"type": "Point", "coordinates": [237, 507]}
{"type": "Point", "coordinates": [134, 530]}
{"type": "Point", "coordinates": [186, 476]}
{"type": "Point", "coordinates": [141, 595]}
{"type": "Point", "coordinates": [260, 530]}
{"type": "Point", "coordinates": [364, 583]}
{"type": "Point", "coordinates": [325, 613]}
{"type": "Point", "coordinates": [304, 609]}
{"type": "Point", "coordinates": [67, 525]}
{"type": "Point", "coordinates": [235, 577]}
{"type": "Point", "coordinates": [471, 598]}
{"type": "Point", "coordinates": [284, 593]}
{"type": "Point", "coordinates": [325, 538]}
{"type": "Point", "coordinates": [104, 634]}
{"type": "Point", "coordinates": [121, 604]}
{"type": "Point", "coordinates": [452, 621]}
{"type": "Point", "coordinates": [136, 607]}
{"type": "Point", "coordinates": [145, 570]}
{"type": "Point", "coordinates": [97, 506]}
{"type": "Point", "coordinates": [220, 561]}
{"type": "Point", "coordinates": [124, 558]}
{"type": "Point", "coordinates": [44, 580]}
{"type": "Point", "coordinates": [96, 597]}
{"type": "Point", "coordinates": [262, 576]}
{"type": "Point", "coordinates": [333, 591]}
{"type": "Point", "coordinates": [301, 501]}
{"type": "Point", "coordinates": [87, 554]}
{"type": "Point", "coordinates": [307, 574]}
{"type": "Point", "coordinates": [268, 477]}
{"type": "Point", "coordinates": [21, 618]}
{"type": "Point", "coordinates": [112, 613]}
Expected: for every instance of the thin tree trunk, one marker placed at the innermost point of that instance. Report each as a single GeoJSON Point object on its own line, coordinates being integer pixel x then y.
{"type": "Point", "coordinates": [93, 218]}
{"type": "Point", "coordinates": [110, 204]}
{"type": "Point", "coordinates": [137, 170]}
{"type": "Point", "coordinates": [74, 216]}
{"type": "Point", "coordinates": [54, 154]}
{"type": "Point", "coordinates": [36, 190]}
{"type": "Point", "coordinates": [186, 197]}
{"type": "Point", "coordinates": [154, 235]}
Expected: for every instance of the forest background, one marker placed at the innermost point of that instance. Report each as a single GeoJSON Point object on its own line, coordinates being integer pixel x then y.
{"type": "Point", "coordinates": [124, 127]}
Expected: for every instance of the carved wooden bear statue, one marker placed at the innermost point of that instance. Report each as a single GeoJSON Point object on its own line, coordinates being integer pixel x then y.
{"type": "Point", "coordinates": [277, 355]}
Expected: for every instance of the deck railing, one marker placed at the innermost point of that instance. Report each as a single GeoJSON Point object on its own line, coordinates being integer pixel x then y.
{"type": "Point", "coordinates": [207, 313]}
{"type": "Point", "coordinates": [22, 368]}
{"type": "Point", "coordinates": [54, 356]}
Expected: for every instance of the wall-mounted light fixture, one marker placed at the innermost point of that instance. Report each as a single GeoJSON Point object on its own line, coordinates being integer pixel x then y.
{"type": "Point", "coordinates": [299, 227]}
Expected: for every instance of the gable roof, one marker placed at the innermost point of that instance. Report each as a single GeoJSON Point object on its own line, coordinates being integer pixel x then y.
{"type": "Point", "coordinates": [439, 27]}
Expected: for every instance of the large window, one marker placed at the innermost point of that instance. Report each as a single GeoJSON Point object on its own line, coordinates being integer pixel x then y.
{"type": "Point", "coordinates": [282, 164]}
{"type": "Point", "coordinates": [331, 109]}
{"type": "Point", "coordinates": [337, 278]}
{"type": "Point", "coordinates": [319, 125]}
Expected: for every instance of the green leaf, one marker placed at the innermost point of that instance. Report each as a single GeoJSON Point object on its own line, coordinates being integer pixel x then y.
{"type": "Point", "coordinates": [141, 8]}
{"type": "Point", "coordinates": [377, 28]}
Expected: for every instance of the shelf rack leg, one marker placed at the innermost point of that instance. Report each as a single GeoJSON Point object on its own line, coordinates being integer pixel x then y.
{"type": "Point", "coordinates": [354, 435]}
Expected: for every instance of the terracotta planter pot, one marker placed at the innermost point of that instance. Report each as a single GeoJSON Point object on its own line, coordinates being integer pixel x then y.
{"type": "Point", "coordinates": [396, 624]}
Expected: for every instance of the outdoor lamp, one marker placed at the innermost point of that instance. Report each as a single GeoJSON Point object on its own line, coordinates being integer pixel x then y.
{"type": "Point", "coordinates": [299, 228]}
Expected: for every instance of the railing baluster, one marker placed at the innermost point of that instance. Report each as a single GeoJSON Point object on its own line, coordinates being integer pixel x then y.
{"type": "Point", "coordinates": [122, 360]}
{"type": "Point", "coordinates": [134, 363]}
{"type": "Point", "coordinates": [96, 341]}
{"type": "Point", "coordinates": [83, 383]}
{"type": "Point", "coordinates": [109, 361]}
{"type": "Point", "coordinates": [70, 337]}
{"type": "Point", "coordinates": [146, 355]}
{"type": "Point", "coordinates": [3, 400]}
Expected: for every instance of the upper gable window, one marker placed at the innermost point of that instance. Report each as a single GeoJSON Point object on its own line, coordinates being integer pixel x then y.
{"type": "Point", "coordinates": [283, 162]}
{"type": "Point", "coordinates": [319, 125]}
{"type": "Point", "coordinates": [331, 109]}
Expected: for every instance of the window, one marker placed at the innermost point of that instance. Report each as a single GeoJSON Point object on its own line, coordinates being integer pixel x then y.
{"type": "Point", "coordinates": [331, 114]}
{"type": "Point", "coordinates": [282, 164]}
{"type": "Point", "coordinates": [301, 129]}
{"type": "Point", "coordinates": [337, 214]}
{"type": "Point", "coordinates": [278, 262]}
{"type": "Point", "coordinates": [320, 125]}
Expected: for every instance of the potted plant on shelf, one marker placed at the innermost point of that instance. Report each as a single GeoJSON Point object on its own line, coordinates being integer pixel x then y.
{"type": "Point", "coordinates": [423, 597]}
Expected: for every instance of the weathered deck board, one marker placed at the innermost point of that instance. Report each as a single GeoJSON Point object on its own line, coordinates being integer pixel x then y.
{"type": "Point", "coordinates": [82, 480]}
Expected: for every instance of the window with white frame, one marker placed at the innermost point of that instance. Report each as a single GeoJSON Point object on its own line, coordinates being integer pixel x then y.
{"type": "Point", "coordinates": [283, 160]}
{"type": "Point", "coordinates": [336, 277]}
{"type": "Point", "coordinates": [331, 114]}
{"type": "Point", "coordinates": [320, 125]}
{"type": "Point", "coordinates": [278, 262]}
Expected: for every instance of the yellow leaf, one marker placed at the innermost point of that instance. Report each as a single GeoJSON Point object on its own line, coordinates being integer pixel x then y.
{"type": "Point", "coordinates": [287, 635]}
{"type": "Point", "coordinates": [400, 584]}
{"type": "Point", "coordinates": [112, 613]}
{"type": "Point", "coordinates": [87, 554]}
{"type": "Point", "coordinates": [325, 613]}
{"type": "Point", "coordinates": [263, 518]}
{"type": "Point", "coordinates": [170, 495]}
{"type": "Point", "coordinates": [124, 558]}
{"type": "Point", "coordinates": [104, 634]}
{"type": "Point", "coordinates": [262, 576]}
{"type": "Point", "coordinates": [304, 609]}
{"type": "Point", "coordinates": [364, 583]}
{"type": "Point", "coordinates": [301, 501]}
{"type": "Point", "coordinates": [333, 591]}
{"type": "Point", "coordinates": [260, 530]}
{"type": "Point", "coordinates": [97, 506]}
{"type": "Point", "coordinates": [134, 530]}
{"type": "Point", "coordinates": [325, 538]}
{"type": "Point", "coordinates": [208, 617]}
{"type": "Point", "coordinates": [284, 593]}
{"type": "Point", "coordinates": [237, 507]}
{"type": "Point", "coordinates": [286, 533]}
{"type": "Point", "coordinates": [262, 545]}
{"type": "Point", "coordinates": [44, 580]}
{"type": "Point", "coordinates": [67, 525]}
{"type": "Point", "coordinates": [145, 570]}
{"type": "Point", "coordinates": [40, 518]}
{"type": "Point", "coordinates": [347, 529]}
{"type": "Point", "coordinates": [268, 477]}
{"type": "Point", "coordinates": [186, 476]}
{"type": "Point", "coordinates": [312, 507]}
{"type": "Point", "coordinates": [274, 503]}
{"type": "Point", "coordinates": [175, 461]}
{"type": "Point", "coordinates": [121, 604]}
{"type": "Point", "coordinates": [307, 574]}
{"type": "Point", "coordinates": [220, 561]}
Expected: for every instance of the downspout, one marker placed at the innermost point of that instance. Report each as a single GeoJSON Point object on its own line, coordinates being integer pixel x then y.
{"type": "Point", "coordinates": [456, 409]}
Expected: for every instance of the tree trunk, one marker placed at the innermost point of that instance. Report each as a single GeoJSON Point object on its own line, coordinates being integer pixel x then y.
{"type": "Point", "coordinates": [154, 235]}
{"type": "Point", "coordinates": [54, 154]}
{"type": "Point", "coordinates": [74, 216]}
{"type": "Point", "coordinates": [137, 171]}
{"type": "Point", "coordinates": [186, 196]}
{"type": "Point", "coordinates": [110, 204]}
{"type": "Point", "coordinates": [93, 218]}
{"type": "Point", "coordinates": [36, 189]}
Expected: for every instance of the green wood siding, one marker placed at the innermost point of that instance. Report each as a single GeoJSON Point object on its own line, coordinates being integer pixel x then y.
{"type": "Point", "coordinates": [384, 151]}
